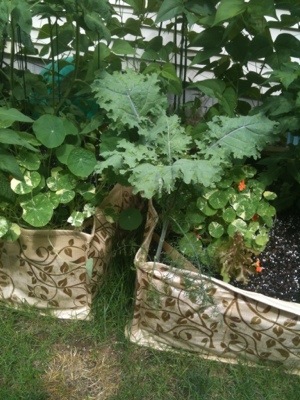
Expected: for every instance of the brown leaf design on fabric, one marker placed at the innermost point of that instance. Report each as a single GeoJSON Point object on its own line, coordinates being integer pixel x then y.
{"type": "Point", "coordinates": [213, 326]}
{"type": "Point", "coordinates": [296, 340]}
{"type": "Point", "coordinates": [264, 355]}
{"type": "Point", "coordinates": [67, 291]}
{"type": "Point", "coordinates": [54, 303]}
{"type": "Point", "coordinates": [64, 268]}
{"type": "Point", "coordinates": [270, 343]}
{"type": "Point", "coordinates": [159, 328]}
{"type": "Point", "coordinates": [278, 330]}
{"type": "Point", "coordinates": [290, 323]}
{"type": "Point", "coordinates": [82, 277]}
{"type": "Point", "coordinates": [225, 303]}
{"type": "Point", "coordinates": [68, 251]}
{"type": "Point", "coordinates": [71, 242]}
{"type": "Point", "coordinates": [266, 309]}
{"type": "Point", "coordinates": [170, 302]}
{"type": "Point", "coordinates": [235, 319]}
{"type": "Point", "coordinates": [256, 335]}
{"type": "Point", "coordinates": [151, 315]}
{"type": "Point", "coordinates": [39, 252]}
{"type": "Point", "coordinates": [44, 289]}
{"type": "Point", "coordinates": [233, 336]}
{"type": "Point", "coordinates": [145, 283]}
{"type": "Point", "coordinates": [284, 353]}
{"type": "Point", "coordinates": [165, 316]}
{"type": "Point", "coordinates": [255, 321]}
{"type": "Point", "coordinates": [181, 321]}
{"type": "Point", "coordinates": [204, 316]}
{"type": "Point", "coordinates": [43, 276]}
{"type": "Point", "coordinates": [211, 291]}
{"type": "Point", "coordinates": [62, 282]}
{"type": "Point", "coordinates": [189, 314]}
{"type": "Point", "coordinates": [79, 260]}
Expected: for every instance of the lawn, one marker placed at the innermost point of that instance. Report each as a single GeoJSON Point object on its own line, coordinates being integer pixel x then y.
{"type": "Point", "coordinates": [44, 358]}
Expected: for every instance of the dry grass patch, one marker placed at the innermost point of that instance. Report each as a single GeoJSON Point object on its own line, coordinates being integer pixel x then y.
{"type": "Point", "coordinates": [82, 373]}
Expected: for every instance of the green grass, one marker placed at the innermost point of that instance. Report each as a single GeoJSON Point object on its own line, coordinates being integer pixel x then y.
{"type": "Point", "coordinates": [44, 358]}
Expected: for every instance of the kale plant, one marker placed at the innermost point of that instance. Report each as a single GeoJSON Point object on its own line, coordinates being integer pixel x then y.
{"type": "Point", "coordinates": [150, 150]}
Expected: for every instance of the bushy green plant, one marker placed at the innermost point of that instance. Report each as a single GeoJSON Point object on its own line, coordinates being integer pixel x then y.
{"type": "Point", "coordinates": [47, 146]}
{"type": "Point", "coordinates": [280, 169]}
{"type": "Point", "coordinates": [45, 173]}
{"type": "Point", "coordinates": [226, 44]}
{"type": "Point", "coordinates": [228, 226]}
{"type": "Point", "coordinates": [150, 150]}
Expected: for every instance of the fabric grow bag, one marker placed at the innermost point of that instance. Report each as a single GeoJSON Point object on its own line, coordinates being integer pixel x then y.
{"type": "Point", "coordinates": [60, 270]}
{"type": "Point", "coordinates": [179, 308]}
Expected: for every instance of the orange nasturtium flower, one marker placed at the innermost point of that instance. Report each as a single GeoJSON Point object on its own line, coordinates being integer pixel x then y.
{"type": "Point", "coordinates": [258, 267]}
{"type": "Point", "coordinates": [242, 185]}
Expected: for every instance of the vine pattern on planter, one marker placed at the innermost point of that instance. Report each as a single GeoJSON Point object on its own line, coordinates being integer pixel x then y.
{"type": "Point", "coordinates": [60, 270]}
{"type": "Point", "coordinates": [180, 308]}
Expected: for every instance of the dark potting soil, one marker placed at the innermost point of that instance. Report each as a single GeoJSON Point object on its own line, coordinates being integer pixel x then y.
{"type": "Point", "coordinates": [280, 277]}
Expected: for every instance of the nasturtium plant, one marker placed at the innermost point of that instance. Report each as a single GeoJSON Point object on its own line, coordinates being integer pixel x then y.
{"type": "Point", "coordinates": [41, 186]}
{"type": "Point", "coordinates": [236, 220]}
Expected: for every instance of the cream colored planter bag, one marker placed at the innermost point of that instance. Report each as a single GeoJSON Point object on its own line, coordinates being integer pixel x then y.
{"type": "Point", "coordinates": [60, 270]}
{"type": "Point", "coordinates": [180, 308]}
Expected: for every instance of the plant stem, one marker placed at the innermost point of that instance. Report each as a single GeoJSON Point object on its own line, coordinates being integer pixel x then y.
{"type": "Point", "coordinates": [12, 59]}
{"type": "Point", "coordinates": [76, 60]}
{"type": "Point", "coordinates": [161, 239]}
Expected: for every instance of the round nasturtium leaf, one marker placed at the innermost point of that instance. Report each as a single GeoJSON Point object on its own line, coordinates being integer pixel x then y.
{"type": "Point", "coordinates": [29, 160]}
{"type": "Point", "coordinates": [237, 225]}
{"type": "Point", "coordinates": [249, 171]}
{"type": "Point", "coordinates": [38, 211]}
{"type": "Point", "coordinates": [54, 199]}
{"type": "Point", "coordinates": [130, 219]}
{"type": "Point", "coordinates": [76, 218]}
{"type": "Point", "coordinates": [253, 227]}
{"type": "Point", "coordinates": [4, 226]}
{"type": "Point", "coordinates": [204, 207]}
{"type": "Point", "coordinates": [61, 180]}
{"type": "Point", "coordinates": [70, 128]}
{"type": "Point", "coordinates": [65, 195]}
{"type": "Point", "coordinates": [269, 195]}
{"type": "Point", "coordinates": [215, 229]}
{"type": "Point", "coordinates": [87, 191]}
{"type": "Point", "coordinates": [31, 180]}
{"type": "Point", "coordinates": [229, 215]}
{"type": "Point", "coordinates": [218, 199]}
{"type": "Point", "coordinates": [190, 245]}
{"type": "Point", "coordinates": [49, 130]}
{"type": "Point", "coordinates": [62, 152]}
{"type": "Point", "coordinates": [224, 183]}
{"type": "Point", "coordinates": [13, 233]}
{"type": "Point", "coordinates": [262, 239]}
{"type": "Point", "coordinates": [81, 162]}
{"type": "Point", "coordinates": [245, 209]}
{"type": "Point", "coordinates": [265, 209]}
{"type": "Point", "coordinates": [195, 218]}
